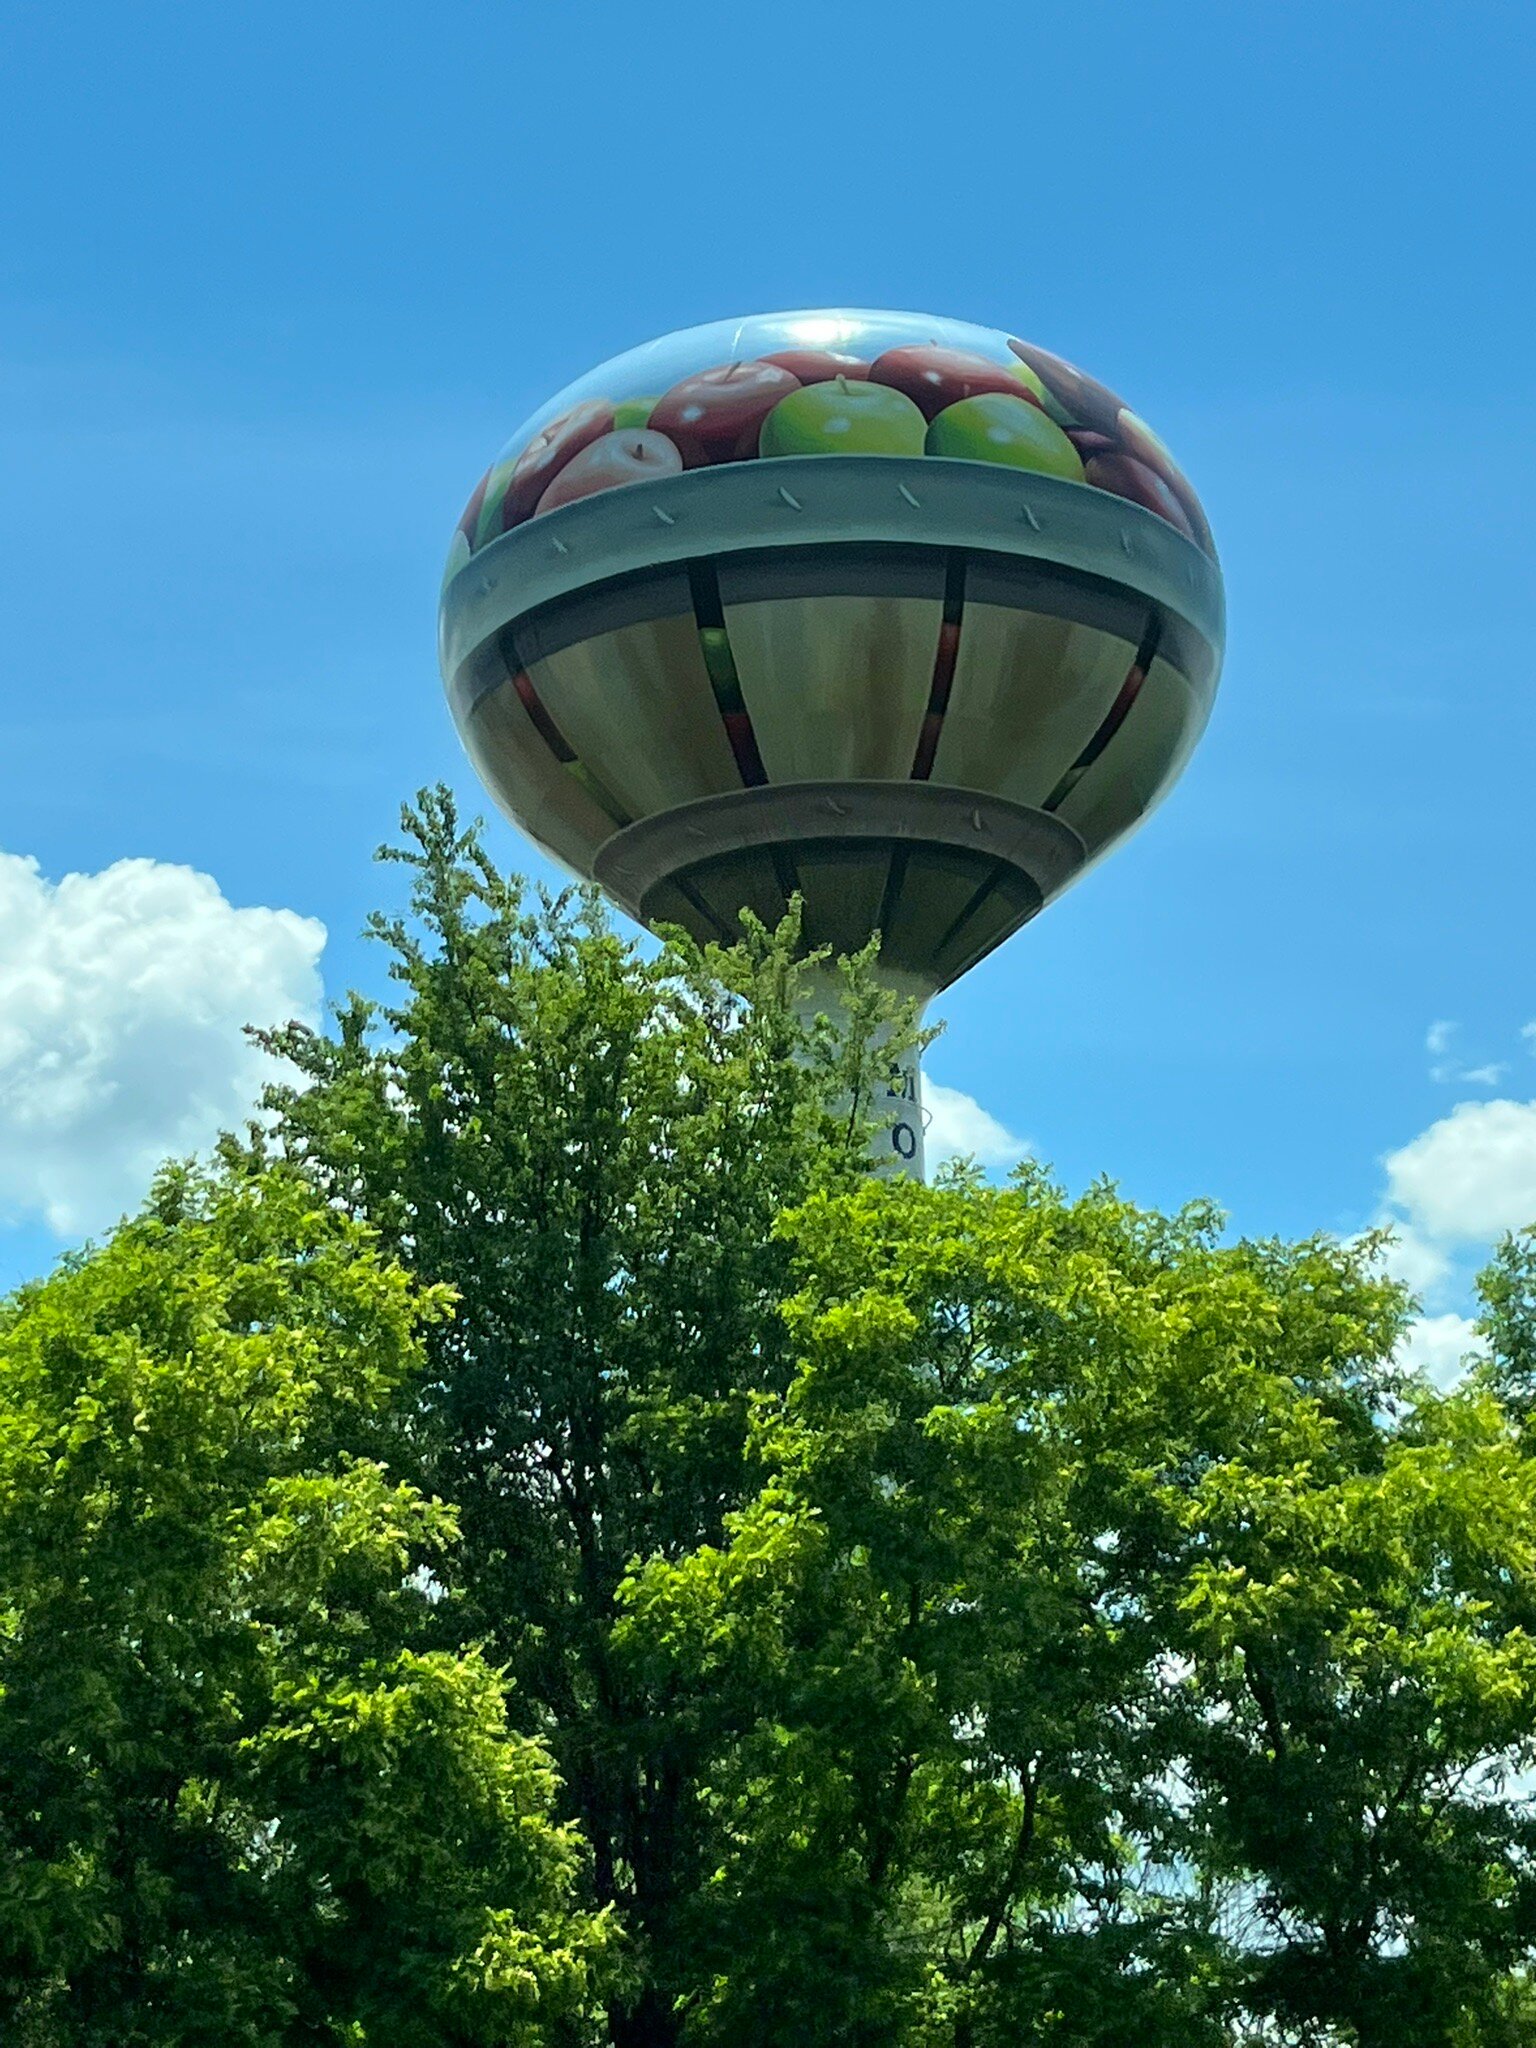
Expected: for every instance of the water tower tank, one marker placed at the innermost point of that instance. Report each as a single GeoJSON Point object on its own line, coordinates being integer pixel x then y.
{"type": "Point", "coordinates": [899, 613]}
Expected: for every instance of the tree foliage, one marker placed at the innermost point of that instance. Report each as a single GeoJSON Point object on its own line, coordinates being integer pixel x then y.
{"type": "Point", "coordinates": [954, 1616]}
{"type": "Point", "coordinates": [242, 1797]}
{"type": "Point", "coordinates": [591, 1149]}
{"type": "Point", "coordinates": [1097, 1660]}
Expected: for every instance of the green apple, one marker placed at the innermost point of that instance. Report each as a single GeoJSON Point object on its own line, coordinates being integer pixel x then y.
{"type": "Point", "coordinates": [844, 416]}
{"type": "Point", "coordinates": [488, 522]}
{"type": "Point", "coordinates": [634, 412]}
{"type": "Point", "coordinates": [992, 427]}
{"type": "Point", "coordinates": [1034, 384]}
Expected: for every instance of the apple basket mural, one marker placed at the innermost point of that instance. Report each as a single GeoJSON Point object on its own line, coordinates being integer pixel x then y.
{"type": "Point", "coordinates": [830, 383]}
{"type": "Point", "coordinates": [898, 617]}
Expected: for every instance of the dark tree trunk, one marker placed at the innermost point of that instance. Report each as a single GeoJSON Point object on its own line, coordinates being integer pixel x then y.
{"type": "Point", "coordinates": [649, 2024]}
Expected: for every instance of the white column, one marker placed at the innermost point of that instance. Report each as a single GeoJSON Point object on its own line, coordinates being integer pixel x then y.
{"type": "Point", "coordinates": [896, 1143]}
{"type": "Point", "coordinates": [898, 1146]}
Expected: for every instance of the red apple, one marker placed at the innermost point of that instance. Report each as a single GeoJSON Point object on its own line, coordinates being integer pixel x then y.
{"type": "Point", "coordinates": [634, 455]}
{"type": "Point", "coordinates": [1087, 443]}
{"type": "Point", "coordinates": [470, 517]}
{"type": "Point", "coordinates": [934, 378]}
{"type": "Point", "coordinates": [1128, 478]}
{"type": "Point", "coordinates": [817, 365]}
{"type": "Point", "coordinates": [1073, 398]}
{"type": "Point", "coordinates": [717, 415]}
{"type": "Point", "coordinates": [548, 453]}
{"type": "Point", "coordinates": [1138, 440]}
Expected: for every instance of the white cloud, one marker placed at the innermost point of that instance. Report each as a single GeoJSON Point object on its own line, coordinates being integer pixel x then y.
{"type": "Point", "coordinates": [1438, 1346]}
{"type": "Point", "coordinates": [1437, 1043]}
{"type": "Point", "coordinates": [1414, 1258]}
{"type": "Point", "coordinates": [123, 997]}
{"type": "Point", "coordinates": [1470, 1176]}
{"type": "Point", "coordinates": [1528, 1033]}
{"type": "Point", "coordinates": [959, 1126]}
{"type": "Point", "coordinates": [1451, 1193]}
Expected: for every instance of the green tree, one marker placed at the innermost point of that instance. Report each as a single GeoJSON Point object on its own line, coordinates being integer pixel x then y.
{"type": "Point", "coordinates": [1508, 1325]}
{"type": "Point", "coordinates": [591, 1149]}
{"type": "Point", "coordinates": [957, 1617]}
{"type": "Point", "coordinates": [1114, 1649]}
{"type": "Point", "coordinates": [240, 1799]}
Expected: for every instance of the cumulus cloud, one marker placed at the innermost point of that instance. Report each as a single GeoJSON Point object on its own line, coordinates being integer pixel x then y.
{"type": "Point", "coordinates": [123, 1001]}
{"type": "Point", "coordinates": [958, 1126]}
{"type": "Point", "coordinates": [1471, 1175]}
{"type": "Point", "coordinates": [1451, 1193]}
{"type": "Point", "coordinates": [1415, 1259]}
{"type": "Point", "coordinates": [1439, 1347]}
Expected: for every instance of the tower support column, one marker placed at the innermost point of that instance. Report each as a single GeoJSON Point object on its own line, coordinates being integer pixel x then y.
{"type": "Point", "coordinates": [899, 1147]}
{"type": "Point", "coordinates": [896, 1145]}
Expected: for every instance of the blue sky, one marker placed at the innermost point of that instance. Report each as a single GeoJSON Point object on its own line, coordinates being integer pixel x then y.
{"type": "Point", "coordinates": [276, 283]}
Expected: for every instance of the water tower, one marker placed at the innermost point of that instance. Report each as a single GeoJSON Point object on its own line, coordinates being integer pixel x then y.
{"type": "Point", "coordinates": [902, 614]}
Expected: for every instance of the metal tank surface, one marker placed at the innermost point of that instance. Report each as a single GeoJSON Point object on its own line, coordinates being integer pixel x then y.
{"type": "Point", "coordinates": [902, 614]}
